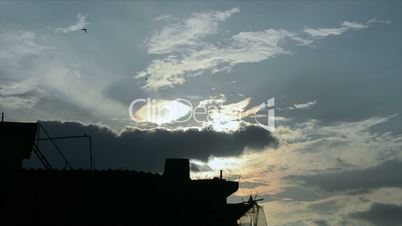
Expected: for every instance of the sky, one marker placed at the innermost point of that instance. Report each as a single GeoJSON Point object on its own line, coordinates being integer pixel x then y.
{"type": "Point", "coordinates": [329, 70]}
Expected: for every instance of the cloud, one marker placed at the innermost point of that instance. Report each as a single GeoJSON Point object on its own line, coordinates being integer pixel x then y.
{"type": "Point", "coordinates": [185, 52]}
{"type": "Point", "coordinates": [214, 100]}
{"type": "Point", "coordinates": [14, 102]}
{"type": "Point", "coordinates": [165, 18]}
{"type": "Point", "coordinates": [306, 105]}
{"type": "Point", "coordinates": [199, 167]}
{"type": "Point", "coordinates": [250, 184]}
{"type": "Point", "coordinates": [375, 20]}
{"type": "Point", "coordinates": [318, 33]}
{"type": "Point", "coordinates": [81, 23]}
{"type": "Point", "coordinates": [297, 193]}
{"type": "Point", "coordinates": [351, 142]}
{"type": "Point", "coordinates": [213, 113]}
{"type": "Point", "coordinates": [224, 116]}
{"type": "Point", "coordinates": [188, 32]}
{"type": "Point", "coordinates": [18, 44]}
{"type": "Point", "coordinates": [321, 223]}
{"type": "Point", "coordinates": [17, 95]}
{"type": "Point", "coordinates": [59, 77]}
{"type": "Point", "coordinates": [68, 83]}
{"type": "Point", "coordinates": [385, 175]}
{"type": "Point", "coordinates": [310, 148]}
{"type": "Point", "coordinates": [381, 215]}
{"type": "Point", "coordinates": [245, 47]}
{"type": "Point", "coordinates": [336, 209]}
{"type": "Point", "coordinates": [146, 150]}
{"type": "Point", "coordinates": [17, 88]}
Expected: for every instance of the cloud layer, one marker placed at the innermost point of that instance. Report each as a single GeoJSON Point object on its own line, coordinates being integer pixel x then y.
{"type": "Point", "coordinates": [381, 215]}
{"type": "Point", "coordinates": [303, 105]}
{"type": "Point", "coordinates": [384, 175]}
{"type": "Point", "coordinates": [185, 51]}
{"type": "Point", "coordinates": [17, 95]}
{"type": "Point", "coordinates": [322, 174]}
{"type": "Point", "coordinates": [19, 44]}
{"type": "Point", "coordinates": [187, 33]}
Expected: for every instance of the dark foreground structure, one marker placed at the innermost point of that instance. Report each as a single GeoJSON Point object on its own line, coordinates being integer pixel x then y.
{"type": "Point", "coordinates": [112, 197]}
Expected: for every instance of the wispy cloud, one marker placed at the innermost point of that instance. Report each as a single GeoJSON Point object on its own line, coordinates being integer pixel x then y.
{"type": "Point", "coordinates": [375, 20]}
{"type": "Point", "coordinates": [187, 32]}
{"type": "Point", "coordinates": [18, 88]}
{"type": "Point", "coordinates": [318, 33]}
{"type": "Point", "coordinates": [81, 23]}
{"type": "Point", "coordinates": [245, 47]}
{"type": "Point", "coordinates": [165, 18]}
{"type": "Point", "coordinates": [68, 83]}
{"type": "Point", "coordinates": [228, 117]}
{"type": "Point", "coordinates": [303, 105]}
{"type": "Point", "coordinates": [17, 95]}
{"type": "Point", "coordinates": [185, 51]}
{"type": "Point", "coordinates": [19, 44]}
{"type": "Point", "coordinates": [15, 102]}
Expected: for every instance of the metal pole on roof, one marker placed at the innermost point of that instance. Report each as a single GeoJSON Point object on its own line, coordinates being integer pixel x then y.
{"type": "Point", "coordinates": [2, 117]}
{"type": "Point", "coordinates": [91, 162]}
{"type": "Point", "coordinates": [91, 156]}
{"type": "Point", "coordinates": [67, 164]}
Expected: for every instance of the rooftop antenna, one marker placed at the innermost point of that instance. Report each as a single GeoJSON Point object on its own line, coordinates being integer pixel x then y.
{"type": "Point", "coordinates": [2, 117]}
{"type": "Point", "coordinates": [220, 176]}
{"type": "Point", "coordinates": [91, 156]}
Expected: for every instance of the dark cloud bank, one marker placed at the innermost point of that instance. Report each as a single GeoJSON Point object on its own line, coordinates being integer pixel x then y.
{"type": "Point", "coordinates": [146, 150]}
{"type": "Point", "coordinates": [381, 215]}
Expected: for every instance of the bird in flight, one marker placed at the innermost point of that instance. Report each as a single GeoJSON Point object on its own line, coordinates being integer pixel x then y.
{"type": "Point", "coordinates": [84, 29]}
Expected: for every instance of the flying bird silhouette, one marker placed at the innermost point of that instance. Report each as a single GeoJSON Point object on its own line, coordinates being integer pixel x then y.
{"type": "Point", "coordinates": [84, 29]}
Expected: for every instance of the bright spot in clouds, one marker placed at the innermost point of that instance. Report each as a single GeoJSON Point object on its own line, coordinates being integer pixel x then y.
{"type": "Point", "coordinates": [214, 164]}
{"type": "Point", "coordinates": [220, 163]}
{"type": "Point", "coordinates": [162, 111]}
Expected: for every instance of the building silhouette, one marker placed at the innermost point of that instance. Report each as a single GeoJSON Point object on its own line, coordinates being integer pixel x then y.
{"type": "Point", "coordinates": [108, 197]}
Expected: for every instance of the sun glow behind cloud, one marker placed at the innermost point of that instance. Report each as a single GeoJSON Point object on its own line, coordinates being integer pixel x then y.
{"type": "Point", "coordinates": [212, 113]}
{"type": "Point", "coordinates": [214, 164]}
{"type": "Point", "coordinates": [304, 151]}
{"type": "Point", "coordinates": [227, 117]}
{"type": "Point", "coordinates": [162, 111]}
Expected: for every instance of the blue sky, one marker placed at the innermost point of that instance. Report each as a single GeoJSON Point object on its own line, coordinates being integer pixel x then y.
{"type": "Point", "coordinates": [333, 67]}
